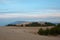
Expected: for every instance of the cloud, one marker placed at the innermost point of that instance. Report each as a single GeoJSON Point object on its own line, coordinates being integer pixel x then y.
{"type": "Point", "coordinates": [46, 13]}
{"type": "Point", "coordinates": [20, 15]}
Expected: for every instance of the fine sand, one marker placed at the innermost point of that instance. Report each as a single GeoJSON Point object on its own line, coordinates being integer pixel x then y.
{"type": "Point", "coordinates": [23, 33]}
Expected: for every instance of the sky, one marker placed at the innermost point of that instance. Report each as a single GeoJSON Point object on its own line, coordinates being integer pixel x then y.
{"type": "Point", "coordinates": [29, 10]}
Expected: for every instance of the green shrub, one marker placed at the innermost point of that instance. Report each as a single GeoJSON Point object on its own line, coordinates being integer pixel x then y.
{"type": "Point", "coordinates": [58, 29]}
{"type": "Point", "coordinates": [46, 32]}
{"type": "Point", "coordinates": [53, 31]}
{"type": "Point", "coordinates": [58, 25]}
{"type": "Point", "coordinates": [41, 31]}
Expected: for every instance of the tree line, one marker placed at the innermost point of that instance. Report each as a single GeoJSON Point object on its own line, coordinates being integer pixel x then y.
{"type": "Point", "coordinates": [34, 24]}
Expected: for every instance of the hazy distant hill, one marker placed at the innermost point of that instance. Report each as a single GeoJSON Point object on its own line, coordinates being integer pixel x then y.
{"type": "Point", "coordinates": [19, 22]}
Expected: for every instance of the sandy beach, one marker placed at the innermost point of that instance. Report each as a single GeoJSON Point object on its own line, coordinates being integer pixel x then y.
{"type": "Point", "coordinates": [20, 33]}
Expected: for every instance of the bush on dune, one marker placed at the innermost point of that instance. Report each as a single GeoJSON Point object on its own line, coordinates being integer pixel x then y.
{"type": "Point", "coordinates": [53, 31]}
{"type": "Point", "coordinates": [41, 31]}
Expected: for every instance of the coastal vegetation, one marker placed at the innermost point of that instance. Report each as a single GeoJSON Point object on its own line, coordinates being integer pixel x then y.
{"type": "Point", "coordinates": [34, 24]}
{"type": "Point", "coordinates": [53, 31]}
{"type": "Point", "coordinates": [11, 25]}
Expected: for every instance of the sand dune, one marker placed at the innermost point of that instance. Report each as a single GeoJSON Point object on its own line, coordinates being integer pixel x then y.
{"type": "Point", "coordinates": [19, 33]}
